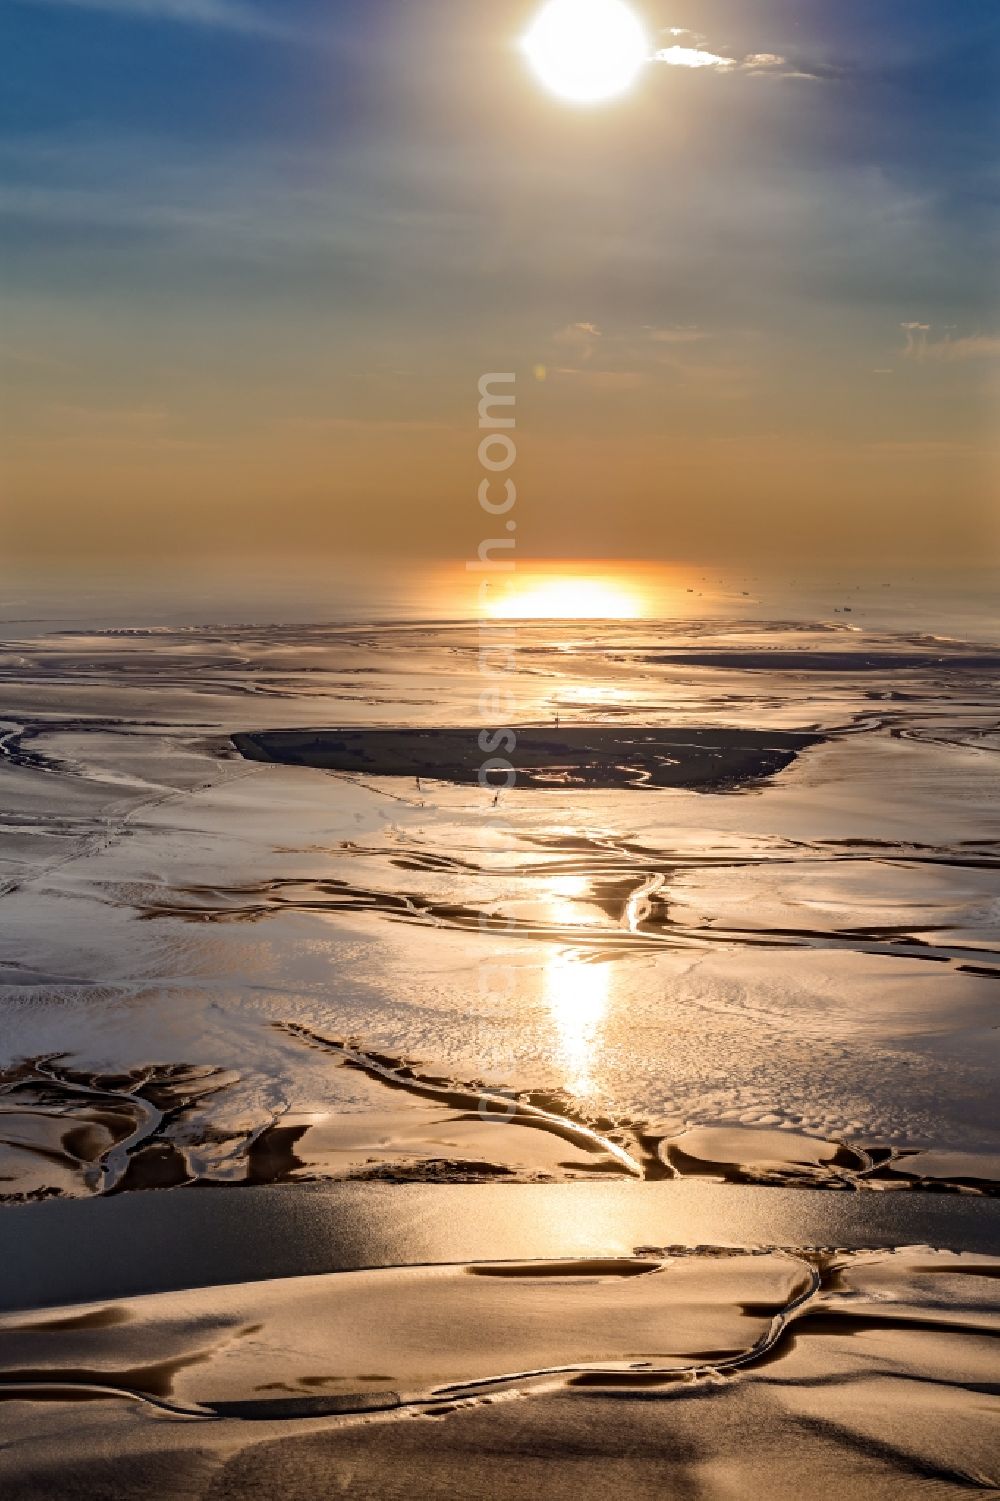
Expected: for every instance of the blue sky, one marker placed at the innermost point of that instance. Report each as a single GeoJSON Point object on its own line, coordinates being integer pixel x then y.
{"type": "Point", "coordinates": [258, 251]}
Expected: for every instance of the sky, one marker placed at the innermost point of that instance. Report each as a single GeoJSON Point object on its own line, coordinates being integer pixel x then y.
{"type": "Point", "coordinates": [256, 255]}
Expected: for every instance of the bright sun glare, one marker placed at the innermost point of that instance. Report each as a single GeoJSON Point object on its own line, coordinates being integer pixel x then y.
{"type": "Point", "coordinates": [566, 599]}
{"type": "Point", "coordinates": [587, 50]}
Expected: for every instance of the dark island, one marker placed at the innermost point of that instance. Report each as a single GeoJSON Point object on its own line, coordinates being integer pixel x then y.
{"type": "Point", "coordinates": [702, 760]}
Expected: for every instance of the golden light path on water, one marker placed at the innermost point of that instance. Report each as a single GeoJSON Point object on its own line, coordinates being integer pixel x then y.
{"type": "Point", "coordinates": [576, 991]}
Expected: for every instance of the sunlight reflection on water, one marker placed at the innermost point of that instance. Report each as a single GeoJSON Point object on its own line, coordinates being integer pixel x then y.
{"type": "Point", "coordinates": [576, 993]}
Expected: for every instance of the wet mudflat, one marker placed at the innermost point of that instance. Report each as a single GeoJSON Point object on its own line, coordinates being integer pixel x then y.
{"type": "Point", "coordinates": [859, 1372]}
{"type": "Point", "coordinates": [781, 969]}
{"type": "Point", "coordinates": [751, 961]}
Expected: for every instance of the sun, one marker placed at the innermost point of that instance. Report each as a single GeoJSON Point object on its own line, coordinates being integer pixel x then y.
{"type": "Point", "coordinates": [587, 50]}
{"type": "Point", "coordinates": [566, 599]}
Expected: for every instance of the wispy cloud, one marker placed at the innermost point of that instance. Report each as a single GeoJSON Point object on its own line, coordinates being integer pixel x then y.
{"type": "Point", "coordinates": [678, 357]}
{"type": "Point", "coordinates": [580, 337]}
{"type": "Point", "coordinates": [920, 346]}
{"type": "Point", "coordinates": [225, 15]}
{"type": "Point", "coordinates": [324, 426]}
{"type": "Point", "coordinates": [602, 380]}
{"type": "Point", "coordinates": [916, 339]}
{"type": "Point", "coordinates": [971, 347]}
{"type": "Point", "coordinates": [689, 335]}
{"type": "Point", "coordinates": [693, 52]}
{"type": "Point", "coordinates": [924, 448]}
{"type": "Point", "coordinates": [579, 330]}
{"type": "Point", "coordinates": [693, 57]}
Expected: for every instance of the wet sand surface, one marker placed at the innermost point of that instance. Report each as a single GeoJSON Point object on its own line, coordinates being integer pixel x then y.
{"type": "Point", "coordinates": [70, 1134]}
{"type": "Point", "coordinates": [750, 963]}
{"type": "Point", "coordinates": [221, 971]}
{"type": "Point", "coordinates": [699, 1370]}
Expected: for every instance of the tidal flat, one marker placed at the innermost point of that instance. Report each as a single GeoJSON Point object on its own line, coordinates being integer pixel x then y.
{"type": "Point", "coordinates": [780, 968]}
{"type": "Point", "coordinates": [855, 1373]}
{"type": "Point", "coordinates": [734, 930]}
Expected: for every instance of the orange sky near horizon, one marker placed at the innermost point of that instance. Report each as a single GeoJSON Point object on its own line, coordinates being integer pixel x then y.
{"type": "Point", "coordinates": [750, 306]}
